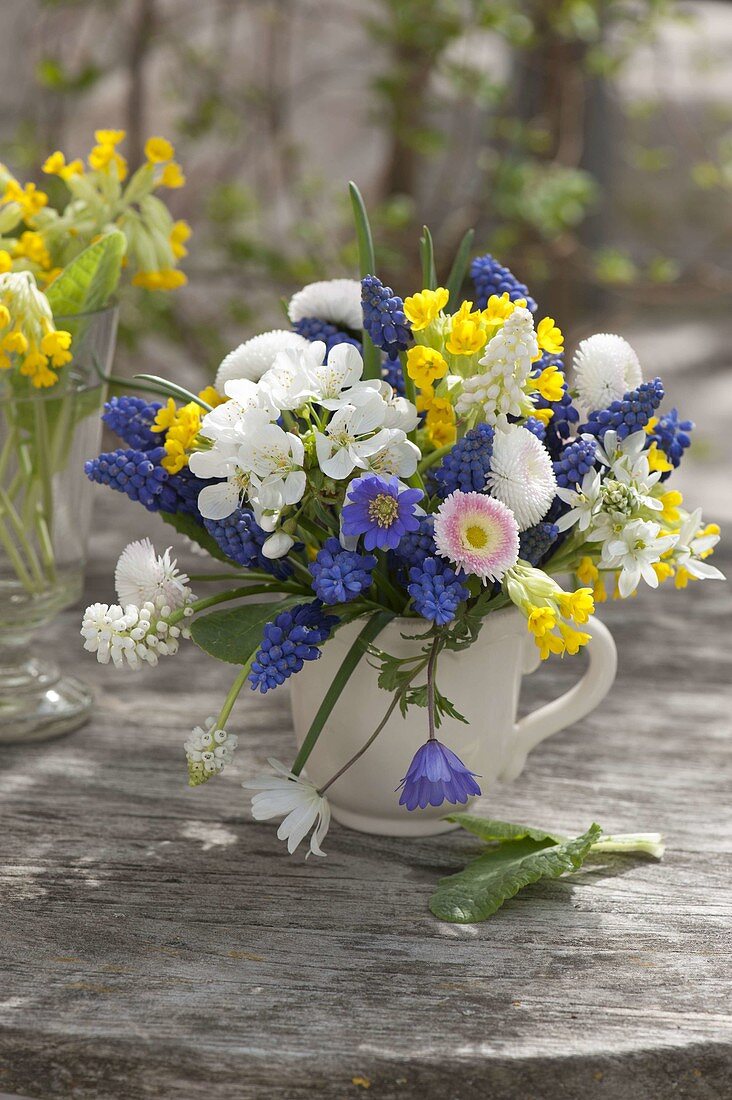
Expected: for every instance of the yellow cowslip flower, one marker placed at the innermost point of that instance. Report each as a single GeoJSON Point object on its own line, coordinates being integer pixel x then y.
{"type": "Point", "coordinates": [587, 572]}
{"type": "Point", "coordinates": [573, 639]}
{"type": "Point", "coordinates": [710, 529]}
{"type": "Point", "coordinates": [549, 336]}
{"type": "Point", "coordinates": [578, 605]}
{"type": "Point", "coordinates": [651, 425]}
{"type": "Point", "coordinates": [35, 366]}
{"type": "Point", "coordinates": [541, 620]}
{"type": "Point", "coordinates": [6, 263]}
{"type": "Point", "coordinates": [110, 137]}
{"type": "Point", "coordinates": [550, 383]}
{"type": "Point", "coordinates": [16, 342]}
{"type": "Point", "coordinates": [32, 246]}
{"type": "Point", "coordinates": [55, 165]}
{"type": "Point", "coordinates": [422, 309]}
{"type": "Point", "coordinates": [663, 570]}
{"type": "Point", "coordinates": [437, 408]}
{"type": "Point", "coordinates": [29, 198]}
{"type": "Point", "coordinates": [657, 459]}
{"type": "Point", "coordinates": [172, 176]}
{"type": "Point", "coordinates": [179, 234]}
{"type": "Point", "coordinates": [158, 150]}
{"type": "Point", "coordinates": [671, 501]}
{"type": "Point", "coordinates": [467, 335]}
{"type": "Point", "coordinates": [683, 576]}
{"type": "Point", "coordinates": [500, 307]}
{"type": "Point", "coordinates": [544, 415]}
{"type": "Point", "coordinates": [4, 316]}
{"type": "Point", "coordinates": [168, 278]}
{"type": "Point", "coordinates": [180, 437]}
{"type": "Point", "coordinates": [441, 433]}
{"type": "Point", "coordinates": [55, 344]}
{"type": "Point", "coordinates": [425, 366]}
{"type": "Point", "coordinates": [102, 156]}
{"type": "Point", "coordinates": [165, 416]}
{"type": "Point", "coordinates": [599, 592]}
{"type": "Point", "coordinates": [549, 643]}
{"type": "Point", "coordinates": [212, 396]}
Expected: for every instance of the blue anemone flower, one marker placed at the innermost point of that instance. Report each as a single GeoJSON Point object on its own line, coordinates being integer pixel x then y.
{"type": "Point", "coordinates": [436, 775]}
{"type": "Point", "coordinates": [380, 510]}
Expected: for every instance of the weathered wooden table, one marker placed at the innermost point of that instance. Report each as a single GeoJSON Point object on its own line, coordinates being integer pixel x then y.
{"type": "Point", "coordinates": [158, 943]}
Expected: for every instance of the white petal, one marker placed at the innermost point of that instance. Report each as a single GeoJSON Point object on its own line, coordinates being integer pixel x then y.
{"type": "Point", "coordinates": [218, 501]}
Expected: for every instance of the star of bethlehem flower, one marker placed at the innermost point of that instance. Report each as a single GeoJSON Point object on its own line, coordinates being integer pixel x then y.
{"type": "Point", "coordinates": [634, 551]}
{"type": "Point", "coordinates": [295, 799]}
{"type": "Point", "coordinates": [605, 369]}
{"type": "Point", "coordinates": [584, 502]}
{"type": "Point", "coordinates": [142, 576]}
{"type": "Point", "coordinates": [254, 358]}
{"type": "Point", "coordinates": [693, 544]}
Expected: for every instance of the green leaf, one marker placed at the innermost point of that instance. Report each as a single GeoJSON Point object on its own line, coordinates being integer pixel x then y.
{"type": "Point", "coordinates": [367, 266]}
{"type": "Point", "coordinates": [172, 389]}
{"type": "Point", "coordinates": [427, 255]}
{"type": "Point", "coordinates": [90, 280]}
{"type": "Point", "coordinates": [186, 525]}
{"type": "Point", "coordinates": [475, 893]}
{"type": "Point", "coordinates": [488, 830]}
{"type": "Point", "coordinates": [371, 630]}
{"type": "Point", "coordinates": [235, 634]}
{"type": "Point", "coordinates": [459, 268]}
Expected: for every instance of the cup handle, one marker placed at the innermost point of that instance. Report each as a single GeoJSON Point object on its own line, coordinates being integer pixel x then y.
{"type": "Point", "coordinates": [570, 707]}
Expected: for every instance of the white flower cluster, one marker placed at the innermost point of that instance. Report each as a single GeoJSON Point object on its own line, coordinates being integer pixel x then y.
{"type": "Point", "coordinates": [356, 424]}
{"type": "Point", "coordinates": [136, 631]}
{"type": "Point", "coordinates": [208, 750]}
{"type": "Point", "coordinates": [130, 635]}
{"type": "Point", "coordinates": [509, 358]}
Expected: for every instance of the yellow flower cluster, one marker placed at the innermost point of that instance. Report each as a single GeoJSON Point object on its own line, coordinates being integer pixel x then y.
{"type": "Point", "coordinates": [38, 238]}
{"type": "Point", "coordinates": [28, 336]}
{"type": "Point", "coordinates": [550, 611]}
{"type": "Point", "coordinates": [181, 427]}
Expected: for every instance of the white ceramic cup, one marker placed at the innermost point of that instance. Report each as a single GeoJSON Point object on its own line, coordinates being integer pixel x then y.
{"type": "Point", "coordinates": [483, 682]}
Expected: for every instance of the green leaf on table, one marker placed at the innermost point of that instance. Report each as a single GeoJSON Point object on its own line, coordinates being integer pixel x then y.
{"type": "Point", "coordinates": [489, 831]}
{"type": "Point", "coordinates": [186, 525]}
{"type": "Point", "coordinates": [90, 280]}
{"type": "Point", "coordinates": [235, 634]}
{"type": "Point", "coordinates": [475, 893]}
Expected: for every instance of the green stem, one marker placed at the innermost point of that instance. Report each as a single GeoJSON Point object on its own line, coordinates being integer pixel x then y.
{"type": "Point", "coordinates": [371, 630]}
{"type": "Point", "coordinates": [233, 694]}
{"type": "Point", "coordinates": [19, 530]}
{"type": "Point", "coordinates": [16, 561]}
{"type": "Point", "coordinates": [44, 455]}
{"type": "Point", "coordinates": [433, 457]}
{"type": "Point", "coordinates": [230, 594]}
{"type": "Point", "coordinates": [648, 843]}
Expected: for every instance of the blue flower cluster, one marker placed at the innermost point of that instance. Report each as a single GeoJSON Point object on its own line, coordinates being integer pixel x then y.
{"type": "Point", "coordinates": [417, 545]}
{"type": "Point", "coordinates": [288, 641]}
{"type": "Point", "coordinates": [672, 437]}
{"type": "Point", "coordinates": [241, 539]}
{"type": "Point", "coordinates": [436, 775]}
{"type": "Point", "coordinates": [131, 419]}
{"type": "Point", "coordinates": [536, 427]}
{"type": "Point", "coordinates": [535, 542]}
{"type": "Point", "coordinates": [136, 473]}
{"type": "Point", "coordinates": [465, 467]}
{"type": "Point", "coordinates": [575, 460]}
{"type": "Point", "coordinates": [629, 415]}
{"type": "Point", "coordinates": [394, 375]}
{"type": "Point", "coordinates": [313, 328]}
{"type": "Point", "coordinates": [436, 590]}
{"type": "Point", "coordinates": [489, 277]}
{"type": "Point", "coordinates": [186, 487]}
{"type": "Point", "coordinates": [383, 317]}
{"type": "Point", "coordinates": [340, 575]}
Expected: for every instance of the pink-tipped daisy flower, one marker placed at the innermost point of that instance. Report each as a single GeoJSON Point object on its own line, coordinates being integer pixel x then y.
{"type": "Point", "coordinates": [477, 533]}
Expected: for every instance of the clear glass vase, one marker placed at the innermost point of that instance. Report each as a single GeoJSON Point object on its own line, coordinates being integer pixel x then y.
{"type": "Point", "coordinates": [45, 512]}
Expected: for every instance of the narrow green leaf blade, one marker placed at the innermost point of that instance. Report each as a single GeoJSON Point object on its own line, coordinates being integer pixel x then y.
{"type": "Point", "coordinates": [186, 525]}
{"type": "Point", "coordinates": [427, 254]}
{"type": "Point", "coordinates": [367, 266]}
{"type": "Point", "coordinates": [234, 635]}
{"type": "Point", "coordinates": [488, 830]}
{"type": "Point", "coordinates": [371, 630]}
{"type": "Point", "coordinates": [459, 269]}
{"type": "Point", "coordinates": [90, 280]}
{"type": "Point", "coordinates": [477, 892]}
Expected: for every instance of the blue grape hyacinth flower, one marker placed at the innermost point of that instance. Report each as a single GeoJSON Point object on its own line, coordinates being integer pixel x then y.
{"type": "Point", "coordinates": [340, 575]}
{"type": "Point", "coordinates": [436, 775]}
{"type": "Point", "coordinates": [292, 638]}
{"type": "Point", "coordinates": [383, 316]}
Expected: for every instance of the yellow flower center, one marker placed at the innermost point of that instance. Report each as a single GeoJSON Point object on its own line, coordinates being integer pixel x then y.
{"type": "Point", "coordinates": [383, 509]}
{"type": "Point", "coordinates": [476, 536]}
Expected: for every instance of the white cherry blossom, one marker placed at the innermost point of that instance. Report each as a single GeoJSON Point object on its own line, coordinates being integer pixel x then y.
{"type": "Point", "coordinates": [348, 441]}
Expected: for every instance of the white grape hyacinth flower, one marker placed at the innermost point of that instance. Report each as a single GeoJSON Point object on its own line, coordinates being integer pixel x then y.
{"type": "Point", "coordinates": [254, 357]}
{"type": "Point", "coordinates": [633, 551]}
{"type": "Point", "coordinates": [509, 359]}
{"type": "Point", "coordinates": [295, 799]}
{"type": "Point", "coordinates": [334, 300]}
{"type": "Point", "coordinates": [605, 368]}
{"type": "Point", "coordinates": [208, 751]}
{"type": "Point", "coordinates": [131, 635]}
{"type": "Point", "coordinates": [521, 475]}
{"type": "Point", "coordinates": [141, 576]}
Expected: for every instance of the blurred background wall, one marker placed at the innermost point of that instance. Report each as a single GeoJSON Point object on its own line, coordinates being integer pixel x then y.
{"type": "Point", "coordinates": [588, 141]}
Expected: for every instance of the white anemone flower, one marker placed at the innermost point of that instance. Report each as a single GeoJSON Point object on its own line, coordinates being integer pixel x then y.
{"type": "Point", "coordinates": [633, 551]}
{"type": "Point", "coordinates": [254, 357]}
{"type": "Point", "coordinates": [584, 502]}
{"type": "Point", "coordinates": [348, 441]}
{"type": "Point", "coordinates": [521, 475]}
{"type": "Point", "coordinates": [605, 369]}
{"type": "Point", "coordinates": [290, 381]}
{"type": "Point", "coordinates": [396, 454]}
{"type": "Point", "coordinates": [334, 300]}
{"type": "Point", "coordinates": [297, 801]}
{"type": "Point", "coordinates": [276, 457]}
{"type": "Point", "coordinates": [692, 546]}
{"type": "Point", "coordinates": [142, 575]}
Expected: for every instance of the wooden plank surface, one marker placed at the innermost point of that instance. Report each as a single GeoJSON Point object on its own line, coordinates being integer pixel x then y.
{"type": "Point", "coordinates": [158, 943]}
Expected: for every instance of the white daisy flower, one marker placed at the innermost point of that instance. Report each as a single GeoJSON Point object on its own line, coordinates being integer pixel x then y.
{"type": "Point", "coordinates": [334, 300]}
{"type": "Point", "coordinates": [295, 799]}
{"type": "Point", "coordinates": [252, 358]}
{"type": "Point", "coordinates": [521, 475]}
{"type": "Point", "coordinates": [141, 576]}
{"type": "Point", "coordinates": [605, 369]}
{"type": "Point", "coordinates": [208, 750]}
{"type": "Point", "coordinates": [633, 551]}
{"type": "Point", "coordinates": [348, 441]}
